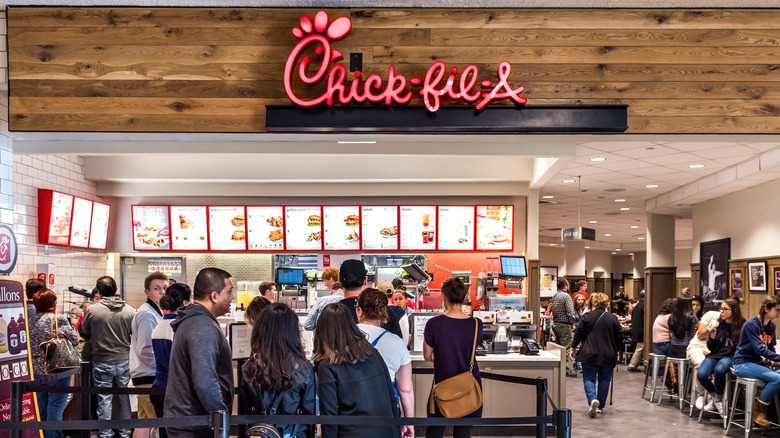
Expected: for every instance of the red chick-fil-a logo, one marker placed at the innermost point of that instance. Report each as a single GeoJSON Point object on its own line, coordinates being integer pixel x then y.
{"type": "Point", "coordinates": [434, 87]}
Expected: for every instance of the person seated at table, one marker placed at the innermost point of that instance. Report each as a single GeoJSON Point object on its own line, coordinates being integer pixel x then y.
{"type": "Point", "coordinates": [661, 335]}
{"type": "Point", "coordinates": [682, 325]}
{"type": "Point", "coordinates": [722, 339]}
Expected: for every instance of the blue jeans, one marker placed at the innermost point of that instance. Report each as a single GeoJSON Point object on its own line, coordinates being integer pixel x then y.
{"type": "Point", "coordinates": [755, 371]}
{"type": "Point", "coordinates": [662, 347]}
{"type": "Point", "coordinates": [720, 367]}
{"type": "Point", "coordinates": [593, 374]}
{"type": "Point", "coordinates": [51, 406]}
{"type": "Point", "coordinates": [112, 375]}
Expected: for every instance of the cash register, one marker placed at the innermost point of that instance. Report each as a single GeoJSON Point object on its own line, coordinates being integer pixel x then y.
{"type": "Point", "coordinates": [292, 283]}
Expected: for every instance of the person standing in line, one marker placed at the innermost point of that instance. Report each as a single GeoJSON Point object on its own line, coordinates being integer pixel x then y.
{"type": "Point", "coordinates": [330, 277]}
{"type": "Point", "coordinates": [268, 290]}
{"type": "Point", "coordinates": [177, 295]}
{"type": "Point", "coordinates": [254, 308]}
{"type": "Point", "coordinates": [398, 312]}
{"type": "Point", "coordinates": [200, 372]}
{"type": "Point", "coordinates": [600, 334]}
{"type": "Point", "coordinates": [32, 286]}
{"type": "Point", "coordinates": [353, 277]}
{"type": "Point", "coordinates": [44, 325]}
{"type": "Point", "coordinates": [449, 344]}
{"type": "Point", "coordinates": [563, 316]}
{"type": "Point", "coordinates": [352, 376]}
{"type": "Point", "coordinates": [142, 362]}
{"type": "Point", "coordinates": [638, 333]}
{"type": "Point", "coordinates": [277, 378]}
{"type": "Point", "coordinates": [722, 339]}
{"type": "Point", "coordinates": [108, 325]}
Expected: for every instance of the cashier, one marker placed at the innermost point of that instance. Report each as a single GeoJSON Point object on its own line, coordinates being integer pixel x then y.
{"type": "Point", "coordinates": [268, 290]}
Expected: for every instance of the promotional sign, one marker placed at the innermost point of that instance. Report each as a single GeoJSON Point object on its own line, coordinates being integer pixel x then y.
{"type": "Point", "coordinates": [15, 360]}
{"type": "Point", "coordinates": [150, 228]}
{"type": "Point", "coordinates": [494, 227]}
{"type": "Point", "coordinates": [81, 222]}
{"type": "Point", "coordinates": [99, 229]}
{"type": "Point", "coordinates": [379, 227]}
{"type": "Point", "coordinates": [265, 228]}
{"type": "Point", "coordinates": [341, 228]}
{"type": "Point", "coordinates": [418, 228]}
{"type": "Point", "coordinates": [60, 211]}
{"type": "Point", "coordinates": [68, 220]}
{"type": "Point", "coordinates": [303, 228]}
{"type": "Point", "coordinates": [227, 228]}
{"type": "Point", "coordinates": [189, 228]}
{"type": "Point", "coordinates": [456, 228]}
{"type": "Point", "coordinates": [8, 249]}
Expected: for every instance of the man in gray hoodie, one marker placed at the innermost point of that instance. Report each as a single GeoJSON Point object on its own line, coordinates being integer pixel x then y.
{"type": "Point", "coordinates": [108, 325]}
{"type": "Point", "coordinates": [200, 374]}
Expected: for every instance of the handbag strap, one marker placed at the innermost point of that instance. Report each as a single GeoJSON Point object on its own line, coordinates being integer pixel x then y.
{"type": "Point", "coordinates": [474, 348]}
{"type": "Point", "coordinates": [54, 326]}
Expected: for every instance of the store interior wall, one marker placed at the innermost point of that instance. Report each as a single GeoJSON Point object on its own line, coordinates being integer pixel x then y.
{"type": "Point", "coordinates": [682, 259]}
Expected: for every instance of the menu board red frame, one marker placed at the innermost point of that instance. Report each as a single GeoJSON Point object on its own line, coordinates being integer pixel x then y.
{"type": "Point", "coordinates": [435, 230]}
{"type": "Point", "coordinates": [287, 236]}
{"type": "Point", "coordinates": [359, 227]}
{"type": "Point", "coordinates": [108, 221]}
{"type": "Point", "coordinates": [397, 224]}
{"type": "Point", "coordinates": [473, 233]}
{"type": "Point", "coordinates": [132, 207]}
{"type": "Point", "coordinates": [45, 203]}
{"type": "Point", "coordinates": [171, 220]}
{"type": "Point", "coordinates": [73, 215]}
{"type": "Point", "coordinates": [476, 228]}
{"type": "Point", "coordinates": [208, 215]}
{"type": "Point", "coordinates": [284, 239]}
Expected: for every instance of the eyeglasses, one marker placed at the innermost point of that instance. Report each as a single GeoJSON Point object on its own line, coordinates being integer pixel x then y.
{"type": "Point", "coordinates": [724, 309]}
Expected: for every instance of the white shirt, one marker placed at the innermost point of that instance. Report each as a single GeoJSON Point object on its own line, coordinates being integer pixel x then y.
{"type": "Point", "coordinates": [390, 346]}
{"type": "Point", "coordinates": [708, 317]}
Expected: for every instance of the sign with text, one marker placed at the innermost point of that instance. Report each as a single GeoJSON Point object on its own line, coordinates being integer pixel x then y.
{"type": "Point", "coordinates": [303, 228]}
{"type": "Point", "coordinates": [456, 228]}
{"type": "Point", "coordinates": [189, 228]}
{"type": "Point", "coordinates": [150, 228]}
{"type": "Point", "coordinates": [379, 227]}
{"type": "Point", "coordinates": [98, 234]}
{"type": "Point", "coordinates": [341, 228]}
{"type": "Point", "coordinates": [494, 227]}
{"type": "Point", "coordinates": [418, 227]}
{"type": "Point", "coordinates": [227, 228]}
{"type": "Point", "coordinates": [265, 228]}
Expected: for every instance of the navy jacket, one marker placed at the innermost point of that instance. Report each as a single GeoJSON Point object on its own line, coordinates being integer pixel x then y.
{"type": "Point", "coordinates": [756, 343]}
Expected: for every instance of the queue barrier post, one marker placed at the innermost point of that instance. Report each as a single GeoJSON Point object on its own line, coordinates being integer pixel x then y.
{"type": "Point", "coordinates": [541, 406]}
{"type": "Point", "coordinates": [86, 399]}
{"type": "Point", "coordinates": [220, 421]}
{"type": "Point", "coordinates": [17, 397]}
{"type": "Point", "coordinates": [563, 423]}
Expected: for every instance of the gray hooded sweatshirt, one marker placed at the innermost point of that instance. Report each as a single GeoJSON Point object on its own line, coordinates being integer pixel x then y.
{"type": "Point", "coordinates": [200, 374]}
{"type": "Point", "coordinates": [108, 324]}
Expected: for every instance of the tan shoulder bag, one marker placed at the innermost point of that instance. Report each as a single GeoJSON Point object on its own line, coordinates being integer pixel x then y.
{"type": "Point", "coordinates": [460, 395]}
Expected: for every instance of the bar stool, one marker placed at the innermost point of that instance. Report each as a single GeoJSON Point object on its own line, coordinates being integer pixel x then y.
{"type": "Point", "coordinates": [682, 373]}
{"type": "Point", "coordinates": [654, 362]}
{"type": "Point", "coordinates": [690, 382]}
{"type": "Point", "coordinates": [752, 387]}
{"type": "Point", "coordinates": [726, 394]}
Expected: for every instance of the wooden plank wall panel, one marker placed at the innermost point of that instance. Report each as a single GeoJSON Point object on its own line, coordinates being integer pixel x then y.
{"type": "Point", "coordinates": [214, 70]}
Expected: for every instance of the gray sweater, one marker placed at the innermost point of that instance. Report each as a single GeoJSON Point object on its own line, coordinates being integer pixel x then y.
{"type": "Point", "coordinates": [107, 323]}
{"type": "Point", "coordinates": [200, 374]}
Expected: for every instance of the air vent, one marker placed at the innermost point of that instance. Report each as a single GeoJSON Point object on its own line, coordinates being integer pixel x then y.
{"type": "Point", "coordinates": [615, 190]}
{"type": "Point", "coordinates": [612, 213]}
{"type": "Point", "coordinates": [545, 202]}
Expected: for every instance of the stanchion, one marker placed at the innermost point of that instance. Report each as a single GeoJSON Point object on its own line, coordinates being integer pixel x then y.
{"type": "Point", "coordinates": [220, 421]}
{"type": "Point", "coordinates": [17, 396]}
{"type": "Point", "coordinates": [563, 423]}
{"type": "Point", "coordinates": [86, 399]}
{"type": "Point", "coordinates": [541, 406]}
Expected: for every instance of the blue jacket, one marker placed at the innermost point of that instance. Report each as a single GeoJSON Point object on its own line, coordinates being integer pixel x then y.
{"type": "Point", "coordinates": [756, 343]}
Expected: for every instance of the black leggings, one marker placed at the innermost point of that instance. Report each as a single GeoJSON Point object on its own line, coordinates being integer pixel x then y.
{"type": "Point", "coordinates": [457, 431]}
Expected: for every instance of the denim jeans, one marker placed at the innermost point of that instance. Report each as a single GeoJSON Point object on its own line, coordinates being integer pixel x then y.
{"type": "Point", "coordinates": [593, 375]}
{"type": "Point", "coordinates": [720, 367]}
{"type": "Point", "coordinates": [662, 348]}
{"type": "Point", "coordinates": [51, 406]}
{"type": "Point", "coordinates": [752, 370]}
{"type": "Point", "coordinates": [112, 375]}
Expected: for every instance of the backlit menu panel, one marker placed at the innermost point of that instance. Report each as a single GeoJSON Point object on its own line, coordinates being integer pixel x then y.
{"type": "Point", "coordinates": [81, 222]}
{"type": "Point", "coordinates": [456, 228]}
{"type": "Point", "coordinates": [303, 228]}
{"type": "Point", "coordinates": [265, 228]}
{"type": "Point", "coordinates": [150, 228]}
{"type": "Point", "coordinates": [341, 228]}
{"type": "Point", "coordinates": [227, 228]}
{"type": "Point", "coordinates": [189, 228]}
{"type": "Point", "coordinates": [99, 229]}
{"type": "Point", "coordinates": [494, 227]}
{"type": "Point", "coordinates": [61, 216]}
{"type": "Point", "coordinates": [418, 227]}
{"type": "Point", "coordinates": [379, 226]}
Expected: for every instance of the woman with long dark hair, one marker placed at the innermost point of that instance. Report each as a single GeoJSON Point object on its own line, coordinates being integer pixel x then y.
{"type": "Point", "coordinates": [278, 379]}
{"type": "Point", "coordinates": [697, 304]}
{"type": "Point", "coordinates": [722, 342]}
{"type": "Point", "coordinates": [353, 377]}
{"type": "Point", "coordinates": [682, 326]}
{"type": "Point", "coordinates": [661, 336]}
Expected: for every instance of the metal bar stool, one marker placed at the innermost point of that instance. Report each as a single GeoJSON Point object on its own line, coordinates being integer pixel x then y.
{"type": "Point", "coordinates": [752, 387]}
{"type": "Point", "coordinates": [726, 397]}
{"type": "Point", "coordinates": [682, 373]}
{"type": "Point", "coordinates": [691, 383]}
{"type": "Point", "coordinates": [654, 362]}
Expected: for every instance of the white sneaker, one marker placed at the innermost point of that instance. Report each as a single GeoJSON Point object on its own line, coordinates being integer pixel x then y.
{"type": "Point", "coordinates": [719, 407]}
{"type": "Point", "coordinates": [710, 406]}
{"type": "Point", "coordinates": [699, 402]}
{"type": "Point", "coordinates": [594, 407]}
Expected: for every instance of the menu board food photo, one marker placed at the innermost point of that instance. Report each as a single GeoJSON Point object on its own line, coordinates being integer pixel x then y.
{"type": "Point", "coordinates": [303, 228]}
{"type": "Point", "coordinates": [81, 223]}
{"type": "Point", "coordinates": [379, 227]}
{"type": "Point", "coordinates": [418, 228]}
{"type": "Point", "coordinates": [99, 229]}
{"type": "Point", "coordinates": [341, 228]}
{"type": "Point", "coordinates": [150, 228]}
{"type": "Point", "coordinates": [494, 227]}
{"type": "Point", "coordinates": [227, 228]}
{"type": "Point", "coordinates": [61, 214]}
{"type": "Point", "coordinates": [265, 228]}
{"type": "Point", "coordinates": [456, 228]}
{"type": "Point", "coordinates": [189, 228]}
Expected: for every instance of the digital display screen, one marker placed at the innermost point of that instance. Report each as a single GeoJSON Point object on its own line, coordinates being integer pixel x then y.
{"type": "Point", "coordinates": [418, 228]}
{"type": "Point", "coordinates": [303, 228]}
{"type": "Point", "coordinates": [513, 266]}
{"type": "Point", "coordinates": [265, 228]}
{"type": "Point", "coordinates": [81, 222]}
{"type": "Point", "coordinates": [456, 228]}
{"type": "Point", "coordinates": [290, 276]}
{"type": "Point", "coordinates": [61, 216]}
{"type": "Point", "coordinates": [99, 228]}
{"type": "Point", "coordinates": [189, 230]}
{"type": "Point", "coordinates": [150, 228]}
{"type": "Point", "coordinates": [227, 228]}
{"type": "Point", "coordinates": [494, 227]}
{"type": "Point", "coordinates": [341, 228]}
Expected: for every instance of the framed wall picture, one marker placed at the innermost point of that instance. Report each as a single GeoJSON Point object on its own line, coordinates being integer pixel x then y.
{"type": "Point", "coordinates": [549, 280]}
{"type": "Point", "coordinates": [776, 276]}
{"type": "Point", "coordinates": [735, 285]}
{"type": "Point", "coordinates": [757, 276]}
{"type": "Point", "coordinates": [714, 263]}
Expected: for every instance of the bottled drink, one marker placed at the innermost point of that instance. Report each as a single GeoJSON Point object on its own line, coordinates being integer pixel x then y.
{"type": "Point", "coordinates": [13, 337]}
{"type": "Point", "coordinates": [3, 335]}
{"type": "Point", "coordinates": [21, 324]}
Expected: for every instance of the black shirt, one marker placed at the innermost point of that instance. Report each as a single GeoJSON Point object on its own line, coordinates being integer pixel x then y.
{"type": "Point", "coordinates": [721, 345]}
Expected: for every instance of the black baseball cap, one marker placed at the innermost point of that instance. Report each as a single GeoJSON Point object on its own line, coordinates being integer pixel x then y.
{"type": "Point", "coordinates": [352, 274]}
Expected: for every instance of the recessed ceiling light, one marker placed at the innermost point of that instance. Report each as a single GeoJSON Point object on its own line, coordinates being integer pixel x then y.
{"type": "Point", "coordinates": [625, 209]}
{"type": "Point", "coordinates": [593, 222]}
{"type": "Point", "coordinates": [587, 247]}
{"type": "Point", "coordinates": [641, 238]}
{"type": "Point", "coordinates": [620, 200]}
{"type": "Point", "coordinates": [598, 159]}
{"type": "Point", "coordinates": [548, 197]}
{"type": "Point", "coordinates": [568, 181]}
{"type": "Point", "coordinates": [607, 235]}
{"type": "Point", "coordinates": [634, 226]}
{"type": "Point", "coordinates": [696, 166]}
{"type": "Point", "coordinates": [552, 244]}
{"type": "Point", "coordinates": [617, 249]}
{"type": "Point", "coordinates": [357, 142]}
{"type": "Point", "coordinates": [652, 186]}
{"type": "Point", "coordinates": [614, 253]}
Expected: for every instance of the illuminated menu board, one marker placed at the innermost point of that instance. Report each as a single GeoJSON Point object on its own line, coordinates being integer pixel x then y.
{"type": "Point", "coordinates": [99, 229]}
{"type": "Point", "coordinates": [303, 228]}
{"type": "Point", "coordinates": [341, 228]}
{"type": "Point", "coordinates": [150, 228]}
{"type": "Point", "coordinates": [81, 223]}
{"type": "Point", "coordinates": [60, 218]}
{"type": "Point", "coordinates": [265, 228]}
{"type": "Point", "coordinates": [189, 228]}
{"type": "Point", "coordinates": [227, 228]}
{"type": "Point", "coordinates": [379, 227]}
{"type": "Point", "coordinates": [418, 228]}
{"type": "Point", "coordinates": [494, 227]}
{"type": "Point", "coordinates": [456, 228]}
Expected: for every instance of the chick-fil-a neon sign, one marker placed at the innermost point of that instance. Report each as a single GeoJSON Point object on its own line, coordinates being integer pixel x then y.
{"type": "Point", "coordinates": [433, 87]}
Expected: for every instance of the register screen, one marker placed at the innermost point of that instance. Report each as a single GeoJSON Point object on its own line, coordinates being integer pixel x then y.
{"type": "Point", "coordinates": [513, 266]}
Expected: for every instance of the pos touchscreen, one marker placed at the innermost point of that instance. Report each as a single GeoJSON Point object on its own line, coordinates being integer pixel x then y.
{"type": "Point", "coordinates": [513, 266]}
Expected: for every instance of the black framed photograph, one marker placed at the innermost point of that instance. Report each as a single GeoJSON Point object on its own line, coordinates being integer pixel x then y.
{"type": "Point", "coordinates": [735, 289]}
{"type": "Point", "coordinates": [757, 274]}
{"type": "Point", "coordinates": [776, 276]}
{"type": "Point", "coordinates": [714, 264]}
